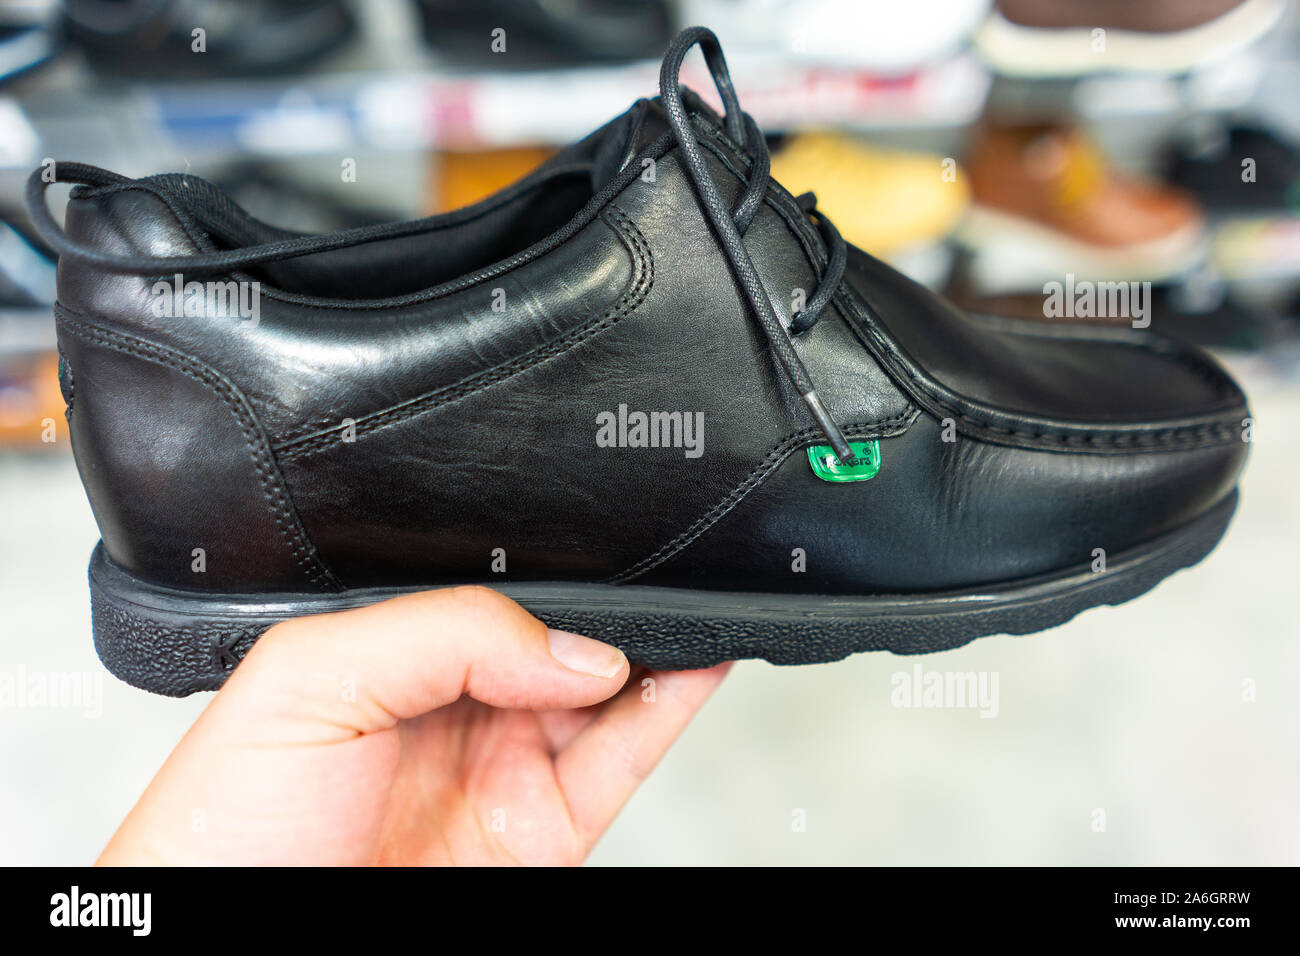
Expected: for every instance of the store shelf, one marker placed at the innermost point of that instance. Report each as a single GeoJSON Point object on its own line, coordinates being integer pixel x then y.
{"type": "Point", "coordinates": [334, 112]}
{"type": "Point", "coordinates": [26, 332]}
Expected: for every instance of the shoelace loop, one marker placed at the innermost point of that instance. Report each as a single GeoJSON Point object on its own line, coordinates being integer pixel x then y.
{"type": "Point", "coordinates": [730, 224]}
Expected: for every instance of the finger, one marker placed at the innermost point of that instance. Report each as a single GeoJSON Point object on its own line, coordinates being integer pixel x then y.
{"type": "Point", "coordinates": [606, 762]}
{"type": "Point", "coordinates": [560, 727]}
{"type": "Point", "coordinates": [362, 670]}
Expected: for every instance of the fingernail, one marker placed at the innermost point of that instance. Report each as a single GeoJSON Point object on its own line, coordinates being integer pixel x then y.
{"type": "Point", "coordinates": [584, 655]}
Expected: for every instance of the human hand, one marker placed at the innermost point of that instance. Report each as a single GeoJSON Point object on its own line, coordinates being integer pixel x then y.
{"type": "Point", "coordinates": [443, 727]}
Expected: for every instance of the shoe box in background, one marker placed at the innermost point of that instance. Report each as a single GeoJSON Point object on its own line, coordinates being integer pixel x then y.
{"type": "Point", "coordinates": [1003, 152]}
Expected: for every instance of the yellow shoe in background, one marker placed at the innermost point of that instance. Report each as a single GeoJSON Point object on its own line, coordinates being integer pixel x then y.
{"type": "Point", "coordinates": [888, 202]}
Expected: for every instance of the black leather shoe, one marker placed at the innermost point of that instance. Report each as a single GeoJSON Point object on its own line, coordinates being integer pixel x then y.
{"type": "Point", "coordinates": [589, 392]}
{"type": "Point", "coordinates": [542, 33]}
{"type": "Point", "coordinates": [154, 39]}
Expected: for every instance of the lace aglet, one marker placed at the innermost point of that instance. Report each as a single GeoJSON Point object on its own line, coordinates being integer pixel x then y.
{"type": "Point", "coordinates": [834, 436]}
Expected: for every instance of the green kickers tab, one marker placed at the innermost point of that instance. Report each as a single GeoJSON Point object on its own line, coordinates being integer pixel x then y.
{"type": "Point", "coordinates": [827, 466]}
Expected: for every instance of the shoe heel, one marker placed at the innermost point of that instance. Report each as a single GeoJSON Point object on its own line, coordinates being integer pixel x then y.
{"type": "Point", "coordinates": [155, 642]}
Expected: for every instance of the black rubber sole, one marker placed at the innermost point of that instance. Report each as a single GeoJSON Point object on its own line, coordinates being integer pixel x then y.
{"type": "Point", "coordinates": [177, 642]}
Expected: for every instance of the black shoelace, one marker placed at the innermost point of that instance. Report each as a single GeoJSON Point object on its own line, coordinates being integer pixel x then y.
{"type": "Point", "coordinates": [730, 224]}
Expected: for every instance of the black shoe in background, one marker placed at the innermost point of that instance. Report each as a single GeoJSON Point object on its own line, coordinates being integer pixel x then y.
{"type": "Point", "coordinates": [1219, 174]}
{"type": "Point", "coordinates": [155, 38]}
{"type": "Point", "coordinates": [539, 34]}
{"type": "Point", "coordinates": [273, 194]}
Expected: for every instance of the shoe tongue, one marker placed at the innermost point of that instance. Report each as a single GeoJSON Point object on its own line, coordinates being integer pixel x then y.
{"type": "Point", "coordinates": [636, 129]}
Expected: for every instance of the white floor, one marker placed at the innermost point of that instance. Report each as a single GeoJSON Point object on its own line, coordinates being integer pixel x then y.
{"type": "Point", "coordinates": [1126, 736]}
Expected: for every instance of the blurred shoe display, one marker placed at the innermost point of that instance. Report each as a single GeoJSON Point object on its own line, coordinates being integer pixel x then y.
{"type": "Point", "coordinates": [1243, 171]}
{"type": "Point", "coordinates": [1248, 179]}
{"type": "Point", "coordinates": [22, 49]}
{"type": "Point", "coordinates": [1055, 38]}
{"type": "Point", "coordinates": [27, 269]}
{"type": "Point", "coordinates": [1208, 317]}
{"type": "Point", "coordinates": [463, 177]}
{"type": "Point", "coordinates": [31, 406]}
{"type": "Point", "coordinates": [898, 205]}
{"type": "Point", "coordinates": [31, 403]}
{"type": "Point", "coordinates": [1214, 318]}
{"type": "Point", "coordinates": [1048, 203]}
{"type": "Point", "coordinates": [888, 38]}
{"type": "Point", "coordinates": [964, 291]}
{"type": "Point", "coordinates": [540, 34]}
{"type": "Point", "coordinates": [1259, 249]}
{"type": "Point", "coordinates": [291, 202]}
{"type": "Point", "coordinates": [28, 36]}
{"type": "Point", "coordinates": [157, 38]}
{"type": "Point", "coordinates": [882, 200]}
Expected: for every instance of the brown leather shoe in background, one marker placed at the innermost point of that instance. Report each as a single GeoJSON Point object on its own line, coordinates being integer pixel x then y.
{"type": "Point", "coordinates": [1047, 203]}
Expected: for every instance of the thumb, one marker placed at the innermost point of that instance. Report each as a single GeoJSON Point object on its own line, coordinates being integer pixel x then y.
{"type": "Point", "coordinates": [362, 670]}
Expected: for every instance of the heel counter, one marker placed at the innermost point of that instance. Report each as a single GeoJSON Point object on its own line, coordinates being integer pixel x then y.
{"type": "Point", "coordinates": [123, 221]}
{"type": "Point", "coordinates": [179, 472]}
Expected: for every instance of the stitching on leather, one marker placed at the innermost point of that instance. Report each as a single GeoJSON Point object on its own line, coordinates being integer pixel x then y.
{"type": "Point", "coordinates": [198, 236]}
{"type": "Point", "coordinates": [631, 299]}
{"type": "Point", "coordinates": [491, 204]}
{"type": "Point", "coordinates": [1140, 341]}
{"type": "Point", "coordinates": [770, 462]}
{"type": "Point", "coordinates": [1176, 437]}
{"type": "Point", "coordinates": [779, 201]}
{"type": "Point", "coordinates": [775, 199]}
{"type": "Point", "coordinates": [1179, 437]}
{"type": "Point", "coordinates": [295, 536]}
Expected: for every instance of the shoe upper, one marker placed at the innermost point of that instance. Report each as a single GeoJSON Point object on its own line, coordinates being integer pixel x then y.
{"type": "Point", "coordinates": [462, 396]}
